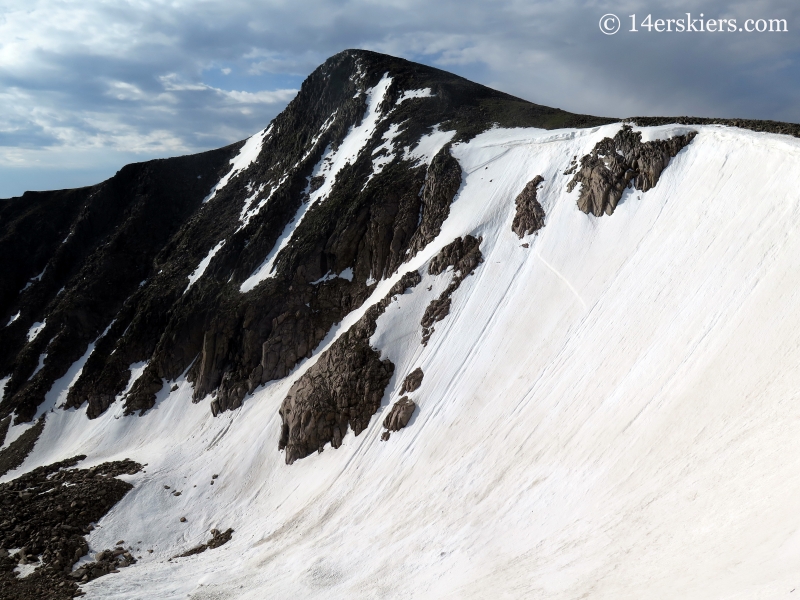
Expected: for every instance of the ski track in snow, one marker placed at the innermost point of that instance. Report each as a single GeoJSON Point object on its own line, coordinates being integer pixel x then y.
{"type": "Point", "coordinates": [561, 449]}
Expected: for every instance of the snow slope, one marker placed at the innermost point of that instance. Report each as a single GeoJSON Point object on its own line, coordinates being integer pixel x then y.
{"type": "Point", "coordinates": [610, 413]}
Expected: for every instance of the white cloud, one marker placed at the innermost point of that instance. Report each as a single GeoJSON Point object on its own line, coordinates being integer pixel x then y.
{"type": "Point", "coordinates": [179, 76]}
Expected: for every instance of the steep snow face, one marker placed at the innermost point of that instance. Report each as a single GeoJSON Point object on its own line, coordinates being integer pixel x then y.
{"type": "Point", "coordinates": [610, 412]}
{"type": "Point", "coordinates": [328, 168]}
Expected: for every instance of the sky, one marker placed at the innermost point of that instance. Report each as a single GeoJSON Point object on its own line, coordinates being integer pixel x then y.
{"type": "Point", "coordinates": [87, 87]}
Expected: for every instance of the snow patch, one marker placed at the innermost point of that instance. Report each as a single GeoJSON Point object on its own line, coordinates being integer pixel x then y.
{"type": "Point", "coordinates": [136, 369]}
{"type": "Point", "coordinates": [57, 395]}
{"type": "Point", "coordinates": [201, 268]}
{"type": "Point", "coordinates": [14, 318]}
{"type": "Point", "coordinates": [346, 274]}
{"type": "Point", "coordinates": [35, 279]}
{"type": "Point", "coordinates": [384, 154]}
{"type": "Point", "coordinates": [247, 155]}
{"type": "Point", "coordinates": [42, 357]}
{"type": "Point", "coordinates": [428, 146]}
{"type": "Point", "coordinates": [23, 571]}
{"type": "Point", "coordinates": [408, 94]}
{"type": "Point", "coordinates": [35, 330]}
{"type": "Point", "coordinates": [248, 213]}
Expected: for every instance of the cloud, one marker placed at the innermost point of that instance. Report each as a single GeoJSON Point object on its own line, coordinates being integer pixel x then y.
{"type": "Point", "coordinates": [150, 78]}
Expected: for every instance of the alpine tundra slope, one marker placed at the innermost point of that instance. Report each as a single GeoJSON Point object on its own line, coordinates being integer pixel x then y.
{"type": "Point", "coordinates": [415, 339]}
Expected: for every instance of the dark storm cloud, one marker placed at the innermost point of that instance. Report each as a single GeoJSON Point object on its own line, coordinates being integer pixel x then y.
{"type": "Point", "coordinates": [93, 85]}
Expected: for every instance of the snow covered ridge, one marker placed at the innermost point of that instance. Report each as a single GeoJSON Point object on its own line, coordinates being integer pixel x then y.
{"type": "Point", "coordinates": [517, 359]}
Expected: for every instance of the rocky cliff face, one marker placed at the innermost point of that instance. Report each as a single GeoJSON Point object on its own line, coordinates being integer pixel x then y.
{"type": "Point", "coordinates": [158, 266]}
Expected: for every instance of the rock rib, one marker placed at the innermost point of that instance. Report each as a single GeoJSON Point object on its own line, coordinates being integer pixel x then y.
{"type": "Point", "coordinates": [616, 163]}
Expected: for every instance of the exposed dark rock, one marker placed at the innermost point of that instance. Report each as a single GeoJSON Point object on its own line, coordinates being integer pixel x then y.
{"type": "Point", "coordinates": [464, 256]}
{"type": "Point", "coordinates": [461, 254]}
{"type": "Point", "coordinates": [17, 451]}
{"type": "Point", "coordinates": [218, 538]}
{"type": "Point", "coordinates": [105, 562]}
{"type": "Point", "coordinates": [412, 381]}
{"type": "Point", "coordinates": [530, 215]}
{"type": "Point", "coordinates": [343, 389]}
{"type": "Point", "coordinates": [441, 186]}
{"type": "Point", "coordinates": [616, 163]}
{"type": "Point", "coordinates": [47, 512]}
{"type": "Point", "coordinates": [400, 414]}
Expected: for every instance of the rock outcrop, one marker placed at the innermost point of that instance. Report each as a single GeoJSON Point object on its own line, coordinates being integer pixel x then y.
{"type": "Point", "coordinates": [343, 389]}
{"type": "Point", "coordinates": [618, 162]}
{"type": "Point", "coordinates": [464, 255]}
{"type": "Point", "coordinates": [46, 513]}
{"type": "Point", "coordinates": [412, 381]}
{"type": "Point", "coordinates": [441, 186]}
{"type": "Point", "coordinates": [218, 538]}
{"type": "Point", "coordinates": [529, 217]}
{"type": "Point", "coordinates": [399, 415]}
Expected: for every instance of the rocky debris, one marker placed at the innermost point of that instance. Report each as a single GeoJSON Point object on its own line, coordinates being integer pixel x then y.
{"type": "Point", "coordinates": [343, 389]}
{"type": "Point", "coordinates": [47, 512]}
{"type": "Point", "coordinates": [412, 381]}
{"type": "Point", "coordinates": [183, 519]}
{"type": "Point", "coordinates": [530, 215]}
{"type": "Point", "coordinates": [17, 451]}
{"type": "Point", "coordinates": [619, 162]}
{"type": "Point", "coordinates": [399, 415]}
{"type": "Point", "coordinates": [464, 256]}
{"type": "Point", "coordinates": [218, 538]}
{"type": "Point", "coordinates": [105, 562]}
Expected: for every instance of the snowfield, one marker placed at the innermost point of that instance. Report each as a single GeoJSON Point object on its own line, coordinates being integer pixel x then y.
{"type": "Point", "coordinates": [612, 412]}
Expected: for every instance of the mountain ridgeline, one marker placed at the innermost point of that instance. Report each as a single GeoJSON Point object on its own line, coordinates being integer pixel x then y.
{"type": "Point", "coordinates": [229, 268]}
{"type": "Point", "coordinates": [108, 265]}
